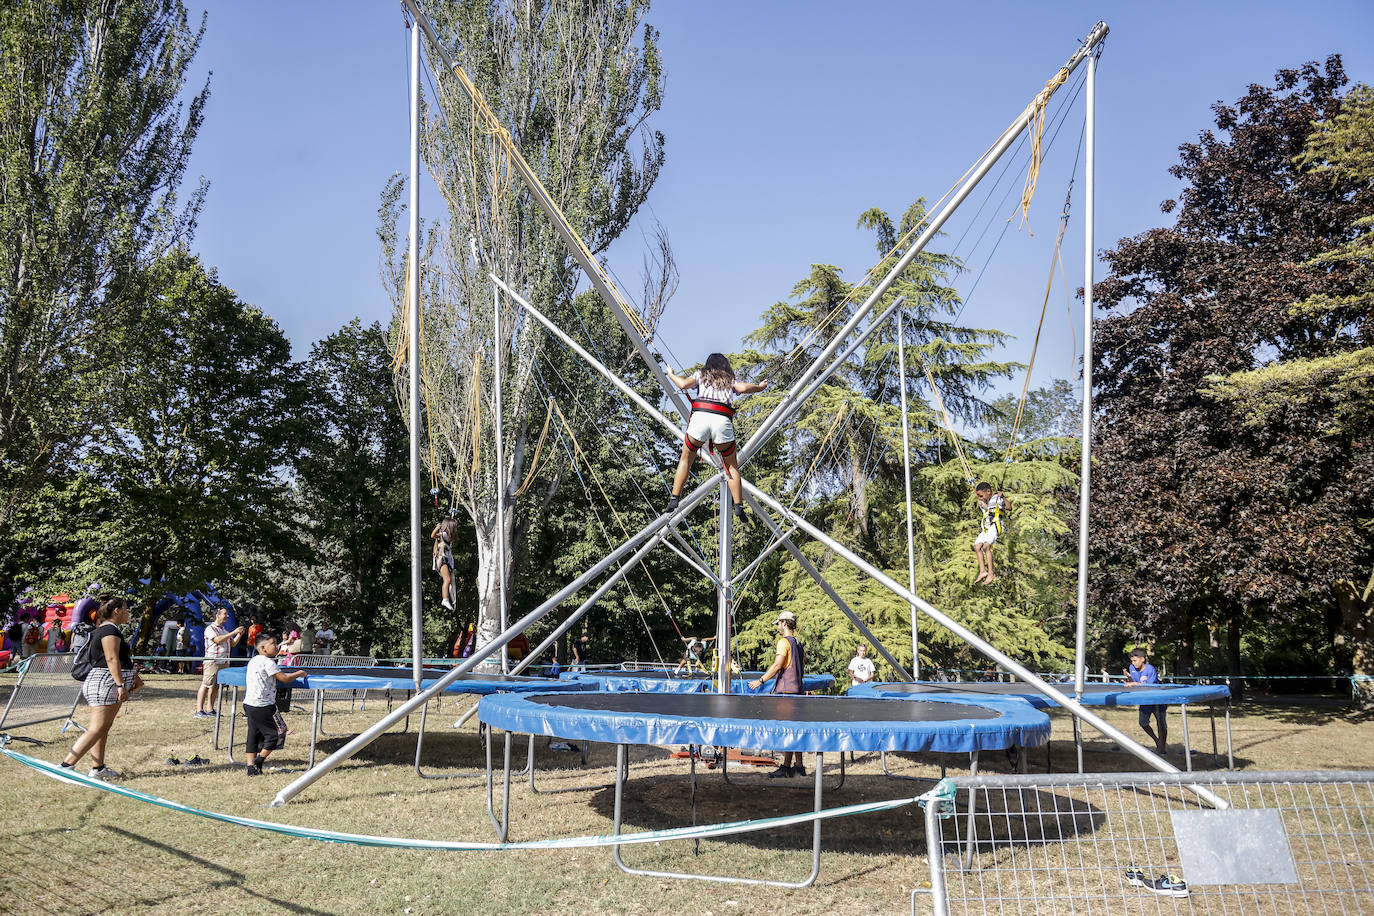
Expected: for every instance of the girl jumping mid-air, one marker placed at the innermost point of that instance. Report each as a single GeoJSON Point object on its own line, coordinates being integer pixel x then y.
{"type": "Point", "coordinates": [444, 535]}
{"type": "Point", "coordinates": [712, 420]}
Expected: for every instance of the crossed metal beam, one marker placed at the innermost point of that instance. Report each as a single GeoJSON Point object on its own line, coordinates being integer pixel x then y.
{"type": "Point", "coordinates": [801, 390]}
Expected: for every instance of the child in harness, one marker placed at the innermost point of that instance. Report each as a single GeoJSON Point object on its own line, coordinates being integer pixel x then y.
{"type": "Point", "coordinates": [712, 422]}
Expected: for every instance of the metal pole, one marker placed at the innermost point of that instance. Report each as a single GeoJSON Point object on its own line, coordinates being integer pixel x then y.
{"type": "Point", "coordinates": [725, 591]}
{"type": "Point", "coordinates": [1003, 143]}
{"type": "Point", "coordinates": [1085, 470]}
{"type": "Point", "coordinates": [906, 474]}
{"type": "Point", "coordinates": [499, 345]}
{"type": "Point", "coordinates": [417, 604]}
{"type": "Point", "coordinates": [977, 642]}
{"type": "Point", "coordinates": [481, 653]}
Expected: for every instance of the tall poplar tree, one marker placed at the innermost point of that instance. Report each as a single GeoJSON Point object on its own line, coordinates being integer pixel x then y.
{"type": "Point", "coordinates": [94, 142]}
{"type": "Point", "coordinates": [574, 83]}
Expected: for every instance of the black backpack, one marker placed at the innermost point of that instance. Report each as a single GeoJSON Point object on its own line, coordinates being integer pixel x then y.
{"type": "Point", "coordinates": [81, 665]}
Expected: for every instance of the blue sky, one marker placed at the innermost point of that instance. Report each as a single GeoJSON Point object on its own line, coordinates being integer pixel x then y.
{"type": "Point", "coordinates": [784, 121]}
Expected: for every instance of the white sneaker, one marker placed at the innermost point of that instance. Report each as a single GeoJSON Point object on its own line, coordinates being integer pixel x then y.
{"type": "Point", "coordinates": [105, 773]}
{"type": "Point", "coordinates": [447, 604]}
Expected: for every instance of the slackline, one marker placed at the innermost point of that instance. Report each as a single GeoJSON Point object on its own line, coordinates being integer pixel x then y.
{"type": "Point", "coordinates": [704, 831]}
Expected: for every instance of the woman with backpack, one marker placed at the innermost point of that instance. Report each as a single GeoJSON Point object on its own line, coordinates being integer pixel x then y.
{"type": "Point", "coordinates": [107, 685]}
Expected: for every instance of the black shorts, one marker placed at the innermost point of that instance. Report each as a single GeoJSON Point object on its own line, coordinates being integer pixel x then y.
{"type": "Point", "coordinates": [266, 728]}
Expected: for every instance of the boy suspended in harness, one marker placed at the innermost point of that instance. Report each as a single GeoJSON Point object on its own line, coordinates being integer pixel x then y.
{"type": "Point", "coordinates": [712, 421]}
{"type": "Point", "coordinates": [994, 507]}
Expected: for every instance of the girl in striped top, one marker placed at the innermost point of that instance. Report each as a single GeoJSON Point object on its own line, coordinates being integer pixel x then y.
{"type": "Point", "coordinates": [712, 422]}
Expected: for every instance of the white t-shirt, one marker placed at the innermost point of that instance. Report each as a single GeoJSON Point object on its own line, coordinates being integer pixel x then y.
{"type": "Point", "coordinates": [861, 669]}
{"type": "Point", "coordinates": [216, 649]}
{"type": "Point", "coordinates": [262, 682]}
{"type": "Point", "coordinates": [324, 639]}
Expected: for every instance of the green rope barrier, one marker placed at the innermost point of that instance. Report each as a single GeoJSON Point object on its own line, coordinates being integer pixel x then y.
{"type": "Point", "coordinates": [705, 831]}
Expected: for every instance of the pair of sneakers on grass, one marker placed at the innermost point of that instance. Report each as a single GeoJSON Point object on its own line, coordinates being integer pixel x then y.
{"type": "Point", "coordinates": [787, 772]}
{"type": "Point", "coordinates": [1167, 885]}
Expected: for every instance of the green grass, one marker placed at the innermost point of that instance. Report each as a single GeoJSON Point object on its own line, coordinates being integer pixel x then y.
{"type": "Point", "coordinates": [73, 851]}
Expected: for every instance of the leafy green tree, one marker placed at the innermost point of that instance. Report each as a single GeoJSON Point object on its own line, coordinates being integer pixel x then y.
{"type": "Point", "coordinates": [350, 503]}
{"type": "Point", "coordinates": [574, 84]}
{"type": "Point", "coordinates": [1200, 519]}
{"type": "Point", "coordinates": [95, 141]}
{"type": "Point", "coordinates": [1328, 399]}
{"type": "Point", "coordinates": [189, 461]}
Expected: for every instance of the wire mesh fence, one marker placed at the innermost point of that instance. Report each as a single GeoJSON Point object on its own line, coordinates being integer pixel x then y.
{"type": "Point", "coordinates": [1289, 843]}
{"type": "Point", "coordinates": [44, 692]}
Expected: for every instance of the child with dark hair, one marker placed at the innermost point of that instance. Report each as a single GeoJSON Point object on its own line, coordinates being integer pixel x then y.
{"type": "Point", "coordinates": [266, 727]}
{"type": "Point", "coordinates": [1142, 674]}
{"type": "Point", "coordinates": [992, 505]}
{"type": "Point", "coordinates": [712, 422]}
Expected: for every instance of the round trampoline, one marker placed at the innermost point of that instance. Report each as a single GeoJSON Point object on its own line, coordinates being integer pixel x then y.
{"type": "Point", "coordinates": [773, 721]}
{"type": "Point", "coordinates": [1158, 696]}
{"type": "Point", "coordinates": [776, 722]}
{"type": "Point", "coordinates": [660, 680]}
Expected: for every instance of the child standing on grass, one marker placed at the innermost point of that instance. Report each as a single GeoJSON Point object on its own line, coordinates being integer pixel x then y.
{"type": "Point", "coordinates": [712, 421]}
{"type": "Point", "coordinates": [266, 727]}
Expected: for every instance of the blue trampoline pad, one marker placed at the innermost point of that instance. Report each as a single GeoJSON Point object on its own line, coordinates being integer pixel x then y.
{"type": "Point", "coordinates": [774, 722]}
{"type": "Point", "coordinates": [403, 679]}
{"type": "Point", "coordinates": [659, 680]}
{"type": "Point", "coordinates": [1094, 694]}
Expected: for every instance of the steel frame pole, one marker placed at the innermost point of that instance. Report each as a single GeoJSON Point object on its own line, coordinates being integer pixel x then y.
{"type": "Point", "coordinates": [906, 475]}
{"type": "Point", "coordinates": [977, 642]}
{"type": "Point", "coordinates": [481, 653]}
{"type": "Point", "coordinates": [1003, 143]}
{"type": "Point", "coordinates": [725, 590]}
{"type": "Point", "coordinates": [499, 348]}
{"type": "Point", "coordinates": [1085, 469]}
{"type": "Point", "coordinates": [417, 605]}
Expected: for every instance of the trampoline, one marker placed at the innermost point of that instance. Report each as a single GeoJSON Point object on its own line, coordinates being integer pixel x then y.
{"type": "Point", "coordinates": [1094, 694]}
{"type": "Point", "coordinates": [806, 724]}
{"type": "Point", "coordinates": [660, 680]}
{"type": "Point", "coordinates": [319, 680]}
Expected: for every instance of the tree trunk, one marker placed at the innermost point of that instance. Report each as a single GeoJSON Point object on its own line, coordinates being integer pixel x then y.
{"type": "Point", "coordinates": [156, 571]}
{"type": "Point", "coordinates": [1186, 647]}
{"type": "Point", "coordinates": [489, 583]}
{"type": "Point", "coordinates": [1357, 631]}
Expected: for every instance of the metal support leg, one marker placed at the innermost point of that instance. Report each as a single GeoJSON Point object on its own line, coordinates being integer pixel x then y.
{"type": "Point", "coordinates": [971, 831]}
{"type": "Point", "coordinates": [233, 719]}
{"type": "Point", "coordinates": [1230, 758]}
{"type": "Point", "coordinates": [502, 824]}
{"type": "Point", "coordinates": [1212, 715]}
{"type": "Point", "coordinates": [219, 702]}
{"type": "Point", "coordinates": [622, 773]}
{"type": "Point", "coordinates": [935, 853]}
{"type": "Point", "coordinates": [316, 709]}
{"type": "Point", "coordinates": [1187, 746]}
{"type": "Point", "coordinates": [419, 749]}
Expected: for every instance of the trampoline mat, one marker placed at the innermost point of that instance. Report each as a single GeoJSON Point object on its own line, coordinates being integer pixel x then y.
{"type": "Point", "coordinates": [780, 723]}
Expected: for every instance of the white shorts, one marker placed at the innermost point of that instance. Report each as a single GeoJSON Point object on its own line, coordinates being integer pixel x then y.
{"type": "Point", "coordinates": [100, 688]}
{"type": "Point", "coordinates": [705, 426]}
{"type": "Point", "coordinates": [989, 536]}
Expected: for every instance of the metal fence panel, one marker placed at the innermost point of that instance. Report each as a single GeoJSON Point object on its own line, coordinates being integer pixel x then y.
{"type": "Point", "coordinates": [45, 691]}
{"type": "Point", "coordinates": [1291, 843]}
